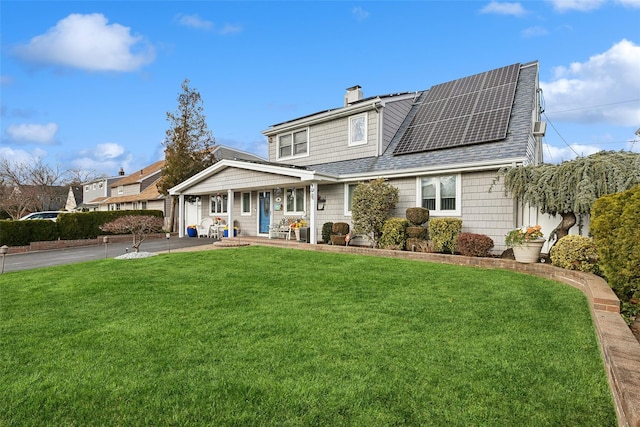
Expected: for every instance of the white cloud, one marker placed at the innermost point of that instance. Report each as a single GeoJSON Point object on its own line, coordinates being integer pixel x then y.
{"type": "Point", "coordinates": [88, 42]}
{"type": "Point", "coordinates": [21, 156]}
{"type": "Point", "coordinates": [194, 21]}
{"type": "Point", "coordinates": [579, 5]}
{"type": "Point", "coordinates": [629, 3]}
{"type": "Point", "coordinates": [553, 154]}
{"type": "Point", "coordinates": [504, 8]}
{"type": "Point", "coordinates": [359, 13]}
{"type": "Point", "coordinates": [534, 32]}
{"type": "Point", "coordinates": [601, 90]}
{"type": "Point", "coordinates": [32, 133]}
{"type": "Point", "coordinates": [105, 158]}
{"type": "Point", "coordinates": [230, 29]}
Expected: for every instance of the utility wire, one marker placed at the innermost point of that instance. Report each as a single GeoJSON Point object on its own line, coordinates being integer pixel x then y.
{"type": "Point", "coordinates": [595, 106]}
{"type": "Point", "coordinates": [561, 137]}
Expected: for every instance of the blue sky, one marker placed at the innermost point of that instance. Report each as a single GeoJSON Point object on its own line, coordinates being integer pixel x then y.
{"type": "Point", "coordinates": [87, 85]}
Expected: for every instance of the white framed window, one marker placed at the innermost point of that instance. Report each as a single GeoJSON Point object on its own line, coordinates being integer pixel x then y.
{"type": "Point", "coordinates": [245, 201]}
{"type": "Point", "coordinates": [295, 201]}
{"type": "Point", "coordinates": [358, 129]}
{"type": "Point", "coordinates": [143, 205]}
{"type": "Point", "coordinates": [293, 144]}
{"type": "Point", "coordinates": [86, 187]}
{"type": "Point", "coordinates": [440, 194]}
{"type": "Point", "coordinates": [348, 198]}
{"type": "Point", "coordinates": [218, 204]}
{"type": "Point", "coordinates": [95, 185]}
{"type": "Point", "coordinates": [120, 189]}
{"type": "Point", "coordinates": [100, 185]}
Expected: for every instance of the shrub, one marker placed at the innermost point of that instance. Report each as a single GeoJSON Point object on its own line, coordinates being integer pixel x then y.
{"type": "Point", "coordinates": [86, 225]}
{"type": "Point", "coordinates": [21, 233]}
{"type": "Point", "coordinates": [372, 204]}
{"type": "Point", "coordinates": [444, 233]}
{"type": "Point", "coordinates": [478, 245]}
{"type": "Point", "coordinates": [326, 231]}
{"type": "Point", "coordinates": [394, 233]}
{"type": "Point", "coordinates": [417, 216]}
{"type": "Point", "coordinates": [615, 226]}
{"type": "Point", "coordinates": [417, 232]}
{"type": "Point", "coordinates": [575, 253]}
{"type": "Point", "coordinates": [339, 232]}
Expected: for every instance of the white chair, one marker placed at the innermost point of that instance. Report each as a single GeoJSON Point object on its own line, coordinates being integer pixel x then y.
{"type": "Point", "coordinates": [204, 228]}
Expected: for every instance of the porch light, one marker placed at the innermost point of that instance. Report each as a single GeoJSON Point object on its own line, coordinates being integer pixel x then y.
{"type": "Point", "coordinates": [321, 202]}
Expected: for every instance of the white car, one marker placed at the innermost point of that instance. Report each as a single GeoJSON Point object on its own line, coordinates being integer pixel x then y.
{"type": "Point", "coordinates": [50, 215]}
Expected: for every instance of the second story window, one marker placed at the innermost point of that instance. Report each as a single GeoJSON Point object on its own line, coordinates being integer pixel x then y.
{"type": "Point", "coordinates": [120, 189]}
{"type": "Point", "coordinates": [293, 144]}
{"type": "Point", "coordinates": [358, 130]}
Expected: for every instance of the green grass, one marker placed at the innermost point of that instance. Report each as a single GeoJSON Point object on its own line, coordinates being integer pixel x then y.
{"type": "Point", "coordinates": [266, 336]}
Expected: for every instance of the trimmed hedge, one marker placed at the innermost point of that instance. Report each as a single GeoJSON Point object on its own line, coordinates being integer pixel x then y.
{"type": "Point", "coordinates": [70, 226]}
{"type": "Point", "coordinates": [575, 253]}
{"type": "Point", "coordinates": [444, 234]}
{"type": "Point", "coordinates": [478, 245]}
{"type": "Point", "coordinates": [417, 216]}
{"type": "Point", "coordinates": [615, 226]}
{"type": "Point", "coordinates": [394, 234]}
{"type": "Point", "coordinates": [326, 231]}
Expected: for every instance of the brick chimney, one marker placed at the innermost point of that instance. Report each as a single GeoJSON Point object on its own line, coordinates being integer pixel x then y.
{"type": "Point", "coordinates": [121, 171]}
{"type": "Point", "coordinates": [353, 94]}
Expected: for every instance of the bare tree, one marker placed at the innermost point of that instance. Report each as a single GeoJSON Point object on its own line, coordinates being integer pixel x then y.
{"type": "Point", "coordinates": [140, 226]}
{"type": "Point", "coordinates": [79, 176]}
{"type": "Point", "coordinates": [187, 144]}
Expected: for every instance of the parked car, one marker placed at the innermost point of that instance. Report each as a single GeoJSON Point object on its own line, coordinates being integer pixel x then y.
{"type": "Point", "coordinates": [50, 215]}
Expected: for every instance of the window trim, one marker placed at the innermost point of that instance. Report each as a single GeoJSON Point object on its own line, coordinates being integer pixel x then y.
{"type": "Point", "coordinates": [347, 211]}
{"type": "Point", "coordinates": [439, 212]}
{"type": "Point", "coordinates": [364, 139]}
{"type": "Point", "coordinates": [120, 189]}
{"type": "Point", "coordinates": [292, 133]}
{"type": "Point", "coordinates": [223, 205]}
{"type": "Point", "coordinates": [244, 212]}
{"type": "Point", "coordinates": [304, 201]}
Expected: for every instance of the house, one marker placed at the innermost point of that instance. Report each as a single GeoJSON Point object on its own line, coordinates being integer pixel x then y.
{"type": "Point", "coordinates": [96, 191]}
{"type": "Point", "coordinates": [74, 198]}
{"type": "Point", "coordinates": [139, 190]}
{"type": "Point", "coordinates": [440, 147]}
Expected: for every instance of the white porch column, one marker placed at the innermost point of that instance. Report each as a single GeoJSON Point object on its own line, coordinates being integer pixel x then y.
{"type": "Point", "coordinates": [230, 212]}
{"type": "Point", "coordinates": [313, 191]}
{"type": "Point", "coordinates": [181, 226]}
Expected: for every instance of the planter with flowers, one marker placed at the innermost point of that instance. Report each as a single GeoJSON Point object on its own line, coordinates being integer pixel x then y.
{"type": "Point", "coordinates": [526, 243]}
{"type": "Point", "coordinates": [192, 231]}
{"type": "Point", "coordinates": [226, 231]}
{"type": "Point", "coordinates": [296, 225]}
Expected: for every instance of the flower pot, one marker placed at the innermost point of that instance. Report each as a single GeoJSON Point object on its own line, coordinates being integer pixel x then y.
{"type": "Point", "coordinates": [192, 232]}
{"type": "Point", "coordinates": [528, 252]}
{"type": "Point", "coordinates": [297, 233]}
{"type": "Point", "coordinates": [226, 233]}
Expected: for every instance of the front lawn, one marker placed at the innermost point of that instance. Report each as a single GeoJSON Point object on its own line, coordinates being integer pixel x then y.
{"type": "Point", "coordinates": [269, 336]}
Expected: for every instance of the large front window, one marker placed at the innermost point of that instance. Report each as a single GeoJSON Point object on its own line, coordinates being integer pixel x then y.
{"type": "Point", "coordinates": [218, 204]}
{"type": "Point", "coordinates": [293, 144]}
{"type": "Point", "coordinates": [348, 194]}
{"type": "Point", "coordinates": [295, 201]}
{"type": "Point", "coordinates": [441, 194]}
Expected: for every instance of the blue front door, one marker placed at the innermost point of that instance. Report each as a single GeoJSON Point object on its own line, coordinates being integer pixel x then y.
{"type": "Point", "coordinates": [264, 211]}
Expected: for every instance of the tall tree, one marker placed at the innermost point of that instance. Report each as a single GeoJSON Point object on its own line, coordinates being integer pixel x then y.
{"type": "Point", "coordinates": [571, 188]}
{"type": "Point", "coordinates": [188, 144]}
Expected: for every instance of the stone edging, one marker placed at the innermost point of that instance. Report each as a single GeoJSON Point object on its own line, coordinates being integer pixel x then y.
{"type": "Point", "coordinates": [619, 348]}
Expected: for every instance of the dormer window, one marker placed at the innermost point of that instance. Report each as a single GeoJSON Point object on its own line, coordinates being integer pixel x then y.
{"type": "Point", "coordinates": [358, 129]}
{"type": "Point", "coordinates": [293, 144]}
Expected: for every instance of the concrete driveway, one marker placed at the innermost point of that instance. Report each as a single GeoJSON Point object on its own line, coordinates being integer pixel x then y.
{"type": "Point", "coordinates": [37, 259]}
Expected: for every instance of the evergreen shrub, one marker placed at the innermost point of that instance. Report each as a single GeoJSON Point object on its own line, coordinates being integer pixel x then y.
{"type": "Point", "coordinates": [575, 253]}
{"type": "Point", "coordinates": [417, 232]}
{"type": "Point", "coordinates": [394, 234]}
{"type": "Point", "coordinates": [615, 226]}
{"type": "Point", "coordinates": [444, 234]}
{"type": "Point", "coordinates": [326, 231]}
{"type": "Point", "coordinates": [339, 232]}
{"type": "Point", "coordinates": [417, 216]}
{"type": "Point", "coordinates": [477, 245]}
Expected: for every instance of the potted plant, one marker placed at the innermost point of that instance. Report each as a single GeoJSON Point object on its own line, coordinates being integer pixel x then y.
{"type": "Point", "coordinates": [526, 243]}
{"type": "Point", "coordinates": [192, 230]}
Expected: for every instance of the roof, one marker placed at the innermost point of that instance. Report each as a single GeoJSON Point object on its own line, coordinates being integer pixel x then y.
{"type": "Point", "coordinates": [512, 148]}
{"type": "Point", "coordinates": [149, 193]}
{"type": "Point", "coordinates": [140, 175]}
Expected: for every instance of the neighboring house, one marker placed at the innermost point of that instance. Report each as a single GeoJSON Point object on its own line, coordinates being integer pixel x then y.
{"type": "Point", "coordinates": [96, 191]}
{"type": "Point", "coordinates": [440, 147]}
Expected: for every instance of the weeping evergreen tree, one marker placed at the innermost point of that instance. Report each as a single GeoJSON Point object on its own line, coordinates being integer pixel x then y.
{"type": "Point", "coordinates": [188, 144]}
{"type": "Point", "coordinates": [570, 188]}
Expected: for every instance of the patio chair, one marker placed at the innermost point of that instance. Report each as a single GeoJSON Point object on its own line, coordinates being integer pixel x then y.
{"type": "Point", "coordinates": [204, 228]}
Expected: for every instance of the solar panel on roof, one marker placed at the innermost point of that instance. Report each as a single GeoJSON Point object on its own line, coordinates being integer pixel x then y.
{"type": "Point", "coordinates": [471, 110]}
